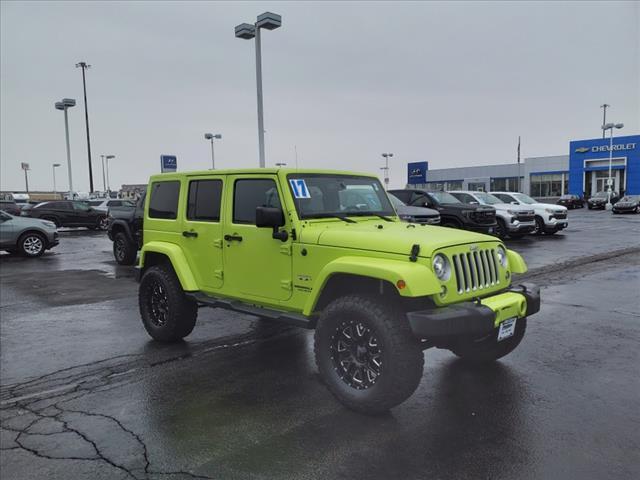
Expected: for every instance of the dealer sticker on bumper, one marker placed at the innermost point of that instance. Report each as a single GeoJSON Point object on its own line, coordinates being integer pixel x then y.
{"type": "Point", "coordinates": [507, 328]}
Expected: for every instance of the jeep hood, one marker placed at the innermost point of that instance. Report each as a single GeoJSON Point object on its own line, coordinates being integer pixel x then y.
{"type": "Point", "coordinates": [396, 237]}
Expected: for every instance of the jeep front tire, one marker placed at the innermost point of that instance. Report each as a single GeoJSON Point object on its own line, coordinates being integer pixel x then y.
{"type": "Point", "coordinates": [167, 314]}
{"type": "Point", "coordinates": [366, 354]}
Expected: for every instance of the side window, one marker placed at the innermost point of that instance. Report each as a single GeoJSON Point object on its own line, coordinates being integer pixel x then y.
{"type": "Point", "coordinates": [80, 206]}
{"type": "Point", "coordinates": [114, 203]}
{"type": "Point", "coordinates": [504, 198]}
{"type": "Point", "coordinates": [419, 199]}
{"type": "Point", "coordinates": [164, 200]}
{"type": "Point", "coordinates": [403, 195]}
{"type": "Point", "coordinates": [251, 193]}
{"type": "Point", "coordinates": [204, 200]}
{"type": "Point", "coordinates": [465, 198]}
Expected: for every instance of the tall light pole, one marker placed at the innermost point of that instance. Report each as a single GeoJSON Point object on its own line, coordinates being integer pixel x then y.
{"type": "Point", "coordinates": [605, 127]}
{"type": "Point", "coordinates": [54, 165]}
{"type": "Point", "coordinates": [107, 158]}
{"type": "Point", "coordinates": [84, 66]}
{"type": "Point", "coordinates": [386, 156]}
{"type": "Point", "coordinates": [104, 183]}
{"type": "Point", "coordinates": [247, 31]}
{"type": "Point", "coordinates": [211, 136]}
{"type": "Point", "coordinates": [604, 107]}
{"type": "Point", "coordinates": [65, 104]}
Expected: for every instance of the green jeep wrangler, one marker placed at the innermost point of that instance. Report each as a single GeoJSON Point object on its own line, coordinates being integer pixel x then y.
{"type": "Point", "coordinates": [326, 250]}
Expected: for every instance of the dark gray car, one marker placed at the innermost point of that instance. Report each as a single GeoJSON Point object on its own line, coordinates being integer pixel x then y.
{"type": "Point", "coordinates": [28, 236]}
{"type": "Point", "coordinates": [414, 214]}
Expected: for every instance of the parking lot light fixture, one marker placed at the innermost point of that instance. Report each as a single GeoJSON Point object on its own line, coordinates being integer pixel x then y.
{"type": "Point", "coordinates": [247, 31]}
{"type": "Point", "coordinates": [281, 164]}
{"type": "Point", "coordinates": [107, 158]}
{"type": "Point", "coordinates": [64, 105]}
{"type": "Point", "coordinates": [605, 127]}
{"type": "Point", "coordinates": [211, 136]}
{"type": "Point", "coordinates": [386, 156]}
{"type": "Point", "coordinates": [54, 175]}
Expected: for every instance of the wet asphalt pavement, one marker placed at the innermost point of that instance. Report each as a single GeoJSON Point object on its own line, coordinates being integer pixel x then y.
{"type": "Point", "coordinates": [86, 394]}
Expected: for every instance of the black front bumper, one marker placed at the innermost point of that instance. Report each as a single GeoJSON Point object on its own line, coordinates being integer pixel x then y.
{"type": "Point", "coordinates": [466, 318]}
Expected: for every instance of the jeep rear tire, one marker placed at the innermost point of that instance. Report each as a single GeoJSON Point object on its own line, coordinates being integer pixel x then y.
{"type": "Point", "coordinates": [124, 251]}
{"type": "Point", "coordinates": [366, 354]}
{"type": "Point", "coordinates": [167, 314]}
{"type": "Point", "coordinates": [487, 349]}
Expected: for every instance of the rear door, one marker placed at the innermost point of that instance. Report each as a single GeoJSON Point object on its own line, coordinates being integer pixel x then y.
{"type": "Point", "coordinates": [202, 230]}
{"type": "Point", "coordinates": [82, 215]}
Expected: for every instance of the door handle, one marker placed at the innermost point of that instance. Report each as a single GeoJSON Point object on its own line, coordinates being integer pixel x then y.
{"type": "Point", "coordinates": [189, 234]}
{"type": "Point", "coordinates": [230, 238]}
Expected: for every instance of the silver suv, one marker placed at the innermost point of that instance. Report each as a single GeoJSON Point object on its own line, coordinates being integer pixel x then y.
{"type": "Point", "coordinates": [28, 236]}
{"type": "Point", "coordinates": [514, 221]}
{"type": "Point", "coordinates": [550, 218]}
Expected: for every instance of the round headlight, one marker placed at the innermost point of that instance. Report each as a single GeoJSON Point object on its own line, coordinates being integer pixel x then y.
{"type": "Point", "coordinates": [441, 267]}
{"type": "Point", "coordinates": [502, 256]}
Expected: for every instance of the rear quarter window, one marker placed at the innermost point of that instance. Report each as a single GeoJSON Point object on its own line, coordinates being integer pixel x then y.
{"type": "Point", "coordinates": [164, 200]}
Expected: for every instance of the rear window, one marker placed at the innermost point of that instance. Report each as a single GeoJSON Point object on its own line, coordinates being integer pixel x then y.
{"type": "Point", "coordinates": [204, 200]}
{"type": "Point", "coordinates": [164, 200]}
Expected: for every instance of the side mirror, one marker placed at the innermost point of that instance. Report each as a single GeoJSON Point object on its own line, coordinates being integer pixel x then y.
{"type": "Point", "coordinates": [269, 217]}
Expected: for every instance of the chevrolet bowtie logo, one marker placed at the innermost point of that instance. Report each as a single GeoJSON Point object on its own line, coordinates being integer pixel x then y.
{"type": "Point", "coordinates": [582, 149]}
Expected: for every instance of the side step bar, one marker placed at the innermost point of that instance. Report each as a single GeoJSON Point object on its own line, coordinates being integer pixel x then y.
{"type": "Point", "coordinates": [267, 313]}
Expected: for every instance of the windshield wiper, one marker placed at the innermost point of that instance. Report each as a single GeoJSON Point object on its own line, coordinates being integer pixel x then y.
{"type": "Point", "coordinates": [371, 214]}
{"type": "Point", "coordinates": [331, 215]}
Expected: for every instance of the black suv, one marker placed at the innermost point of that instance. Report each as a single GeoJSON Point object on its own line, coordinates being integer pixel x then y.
{"type": "Point", "coordinates": [453, 213]}
{"type": "Point", "coordinates": [69, 213]}
{"type": "Point", "coordinates": [599, 200]}
{"type": "Point", "coordinates": [125, 230]}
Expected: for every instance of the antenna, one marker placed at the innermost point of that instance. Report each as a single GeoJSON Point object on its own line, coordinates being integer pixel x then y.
{"type": "Point", "coordinates": [295, 149]}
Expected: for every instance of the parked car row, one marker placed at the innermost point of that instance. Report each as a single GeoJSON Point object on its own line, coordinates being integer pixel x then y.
{"type": "Point", "coordinates": [505, 214]}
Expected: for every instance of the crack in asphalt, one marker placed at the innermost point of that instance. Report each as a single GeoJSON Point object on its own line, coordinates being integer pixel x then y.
{"type": "Point", "coordinates": [47, 397]}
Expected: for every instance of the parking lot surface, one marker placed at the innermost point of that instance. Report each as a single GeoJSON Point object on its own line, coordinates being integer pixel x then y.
{"type": "Point", "coordinates": [86, 394]}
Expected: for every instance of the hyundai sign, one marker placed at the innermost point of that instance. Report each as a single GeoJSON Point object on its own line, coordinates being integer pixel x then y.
{"type": "Point", "coordinates": [417, 173]}
{"type": "Point", "coordinates": [168, 163]}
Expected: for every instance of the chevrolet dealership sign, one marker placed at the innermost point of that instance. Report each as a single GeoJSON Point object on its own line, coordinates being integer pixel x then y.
{"type": "Point", "coordinates": [605, 148]}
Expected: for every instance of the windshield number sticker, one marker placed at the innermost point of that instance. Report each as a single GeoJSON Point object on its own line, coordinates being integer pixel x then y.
{"type": "Point", "coordinates": [299, 188]}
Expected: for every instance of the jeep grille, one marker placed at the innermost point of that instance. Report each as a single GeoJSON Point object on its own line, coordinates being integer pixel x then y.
{"type": "Point", "coordinates": [475, 270]}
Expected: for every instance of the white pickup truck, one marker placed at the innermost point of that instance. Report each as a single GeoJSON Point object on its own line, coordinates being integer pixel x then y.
{"type": "Point", "coordinates": [513, 221]}
{"type": "Point", "coordinates": [550, 218]}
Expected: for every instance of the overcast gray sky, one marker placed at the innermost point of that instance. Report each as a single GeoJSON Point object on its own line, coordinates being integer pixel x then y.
{"type": "Point", "coordinates": [450, 83]}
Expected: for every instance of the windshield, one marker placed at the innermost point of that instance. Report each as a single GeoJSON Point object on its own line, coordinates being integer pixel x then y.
{"type": "Point", "coordinates": [487, 198]}
{"type": "Point", "coordinates": [601, 195]}
{"type": "Point", "coordinates": [444, 197]}
{"type": "Point", "coordinates": [630, 198]}
{"type": "Point", "coordinates": [95, 203]}
{"type": "Point", "coordinates": [395, 201]}
{"type": "Point", "coordinates": [327, 195]}
{"type": "Point", "coordinates": [524, 198]}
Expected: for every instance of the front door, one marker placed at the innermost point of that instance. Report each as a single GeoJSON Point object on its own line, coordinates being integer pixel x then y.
{"type": "Point", "coordinates": [256, 265]}
{"type": "Point", "coordinates": [202, 230]}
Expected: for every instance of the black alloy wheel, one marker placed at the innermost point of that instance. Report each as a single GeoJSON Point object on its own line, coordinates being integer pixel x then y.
{"type": "Point", "coordinates": [158, 304]}
{"type": "Point", "coordinates": [103, 223]}
{"type": "Point", "coordinates": [356, 354]}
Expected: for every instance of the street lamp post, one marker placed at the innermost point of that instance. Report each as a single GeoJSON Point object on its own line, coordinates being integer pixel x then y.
{"type": "Point", "coordinates": [386, 156]}
{"type": "Point", "coordinates": [64, 105]}
{"type": "Point", "coordinates": [604, 107]}
{"type": "Point", "coordinates": [54, 165]}
{"type": "Point", "coordinates": [107, 158]}
{"type": "Point", "coordinates": [211, 136]}
{"type": "Point", "coordinates": [605, 127]}
{"type": "Point", "coordinates": [104, 183]}
{"type": "Point", "coordinates": [84, 66]}
{"type": "Point", "coordinates": [247, 31]}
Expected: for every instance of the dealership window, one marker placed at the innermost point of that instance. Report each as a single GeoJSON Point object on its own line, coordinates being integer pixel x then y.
{"type": "Point", "coordinates": [549, 185]}
{"type": "Point", "coordinates": [507, 184]}
{"type": "Point", "coordinates": [454, 185]}
{"type": "Point", "coordinates": [435, 187]}
{"type": "Point", "coordinates": [164, 200]}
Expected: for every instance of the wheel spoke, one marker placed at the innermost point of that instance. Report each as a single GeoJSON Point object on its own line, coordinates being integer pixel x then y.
{"type": "Point", "coordinates": [356, 354]}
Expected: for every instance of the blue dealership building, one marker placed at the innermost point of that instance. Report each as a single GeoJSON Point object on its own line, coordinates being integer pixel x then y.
{"type": "Point", "coordinates": [583, 171]}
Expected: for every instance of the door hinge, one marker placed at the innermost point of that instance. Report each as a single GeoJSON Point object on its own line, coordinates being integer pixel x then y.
{"type": "Point", "coordinates": [218, 273]}
{"type": "Point", "coordinates": [285, 249]}
{"type": "Point", "coordinates": [286, 284]}
{"type": "Point", "coordinates": [217, 243]}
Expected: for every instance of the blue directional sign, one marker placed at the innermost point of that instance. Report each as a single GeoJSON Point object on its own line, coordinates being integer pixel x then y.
{"type": "Point", "coordinates": [417, 173]}
{"type": "Point", "coordinates": [168, 163]}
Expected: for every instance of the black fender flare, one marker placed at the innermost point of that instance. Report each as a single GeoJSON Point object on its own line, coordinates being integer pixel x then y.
{"type": "Point", "coordinates": [120, 225]}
